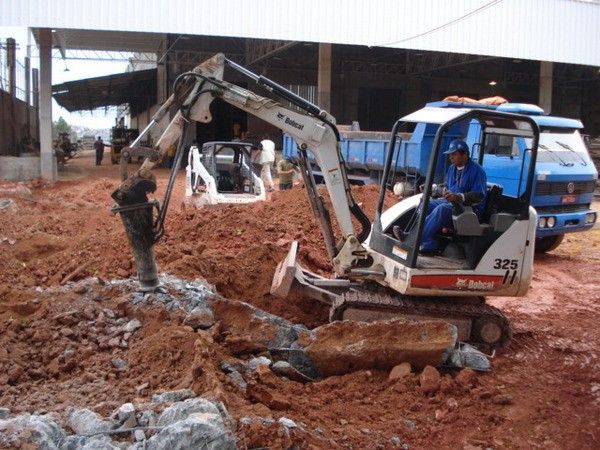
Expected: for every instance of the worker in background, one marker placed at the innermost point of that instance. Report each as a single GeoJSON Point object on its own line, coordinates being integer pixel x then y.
{"type": "Point", "coordinates": [286, 171]}
{"type": "Point", "coordinates": [466, 184]}
{"type": "Point", "coordinates": [99, 147]}
{"type": "Point", "coordinates": [171, 152]}
{"type": "Point", "coordinates": [267, 158]}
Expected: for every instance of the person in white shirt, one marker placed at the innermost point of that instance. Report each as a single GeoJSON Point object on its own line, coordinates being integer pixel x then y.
{"type": "Point", "coordinates": [267, 158]}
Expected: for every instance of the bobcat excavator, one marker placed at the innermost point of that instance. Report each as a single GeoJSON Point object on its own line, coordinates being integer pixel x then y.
{"type": "Point", "coordinates": [377, 275]}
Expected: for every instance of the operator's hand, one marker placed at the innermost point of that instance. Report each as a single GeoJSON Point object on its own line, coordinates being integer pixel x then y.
{"type": "Point", "coordinates": [452, 197]}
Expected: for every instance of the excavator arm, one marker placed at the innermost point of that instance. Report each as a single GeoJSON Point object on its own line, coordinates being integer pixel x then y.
{"type": "Point", "coordinates": [312, 128]}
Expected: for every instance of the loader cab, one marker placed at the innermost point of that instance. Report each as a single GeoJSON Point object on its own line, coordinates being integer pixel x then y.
{"type": "Point", "coordinates": [397, 233]}
{"type": "Point", "coordinates": [230, 165]}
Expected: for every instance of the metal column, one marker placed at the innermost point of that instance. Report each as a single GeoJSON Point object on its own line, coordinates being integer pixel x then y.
{"type": "Point", "coordinates": [545, 94]}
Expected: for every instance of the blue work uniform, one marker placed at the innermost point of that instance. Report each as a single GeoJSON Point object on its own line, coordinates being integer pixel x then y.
{"type": "Point", "coordinates": [471, 178]}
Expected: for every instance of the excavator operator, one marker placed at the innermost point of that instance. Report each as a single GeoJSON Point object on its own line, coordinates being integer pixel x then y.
{"type": "Point", "coordinates": [466, 184]}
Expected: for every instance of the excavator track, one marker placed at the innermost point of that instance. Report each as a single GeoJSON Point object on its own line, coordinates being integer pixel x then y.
{"type": "Point", "coordinates": [477, 323]}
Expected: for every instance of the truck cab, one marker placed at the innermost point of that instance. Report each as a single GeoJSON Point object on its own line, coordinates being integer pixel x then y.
{"type": "Point", "coordinates": [565, 175]}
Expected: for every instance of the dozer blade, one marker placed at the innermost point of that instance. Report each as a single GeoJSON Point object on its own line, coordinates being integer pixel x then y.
{"type": "Point", "coordinates": [285, 273]}
{"type": "Point", "coordinates": [291, 277]}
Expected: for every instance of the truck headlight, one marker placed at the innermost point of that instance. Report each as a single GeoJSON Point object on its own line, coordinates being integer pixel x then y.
{"type": "Point", "coordinates": [542, 222]}
{"type": "Point", "coordinates": [590, 218]}
{"type": "Point", "coordinates": [550, 222]}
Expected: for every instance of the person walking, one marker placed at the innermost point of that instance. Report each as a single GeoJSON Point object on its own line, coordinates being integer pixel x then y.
{"type": "Point", "coordinates": [99, 147]}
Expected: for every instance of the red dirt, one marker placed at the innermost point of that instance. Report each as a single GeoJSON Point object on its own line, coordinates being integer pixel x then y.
{"type": "Point", "coordinates": [544, 391]}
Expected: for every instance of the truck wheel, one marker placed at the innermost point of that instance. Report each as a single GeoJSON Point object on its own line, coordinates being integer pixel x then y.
{"type": "Point", "coordinates": [547, 243]}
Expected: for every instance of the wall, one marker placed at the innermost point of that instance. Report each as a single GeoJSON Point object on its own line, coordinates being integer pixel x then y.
{"type": "Point", "coordinates": [13, 124]}
{"type": "Point", "coordinates": [23, 168]}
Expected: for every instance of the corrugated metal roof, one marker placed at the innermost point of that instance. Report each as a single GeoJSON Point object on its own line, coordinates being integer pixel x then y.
{"type": "Point", "coordinates": [138, 89]}
{"type": "Point", "coordinates": [548, 30]}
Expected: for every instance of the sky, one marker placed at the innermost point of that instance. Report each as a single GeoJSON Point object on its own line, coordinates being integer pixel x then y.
{"type": "Point", "coordinates": [78, 70]}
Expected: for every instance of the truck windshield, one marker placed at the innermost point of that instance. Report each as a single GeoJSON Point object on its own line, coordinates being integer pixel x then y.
{"type": "Point", "coordinates": [566, 148]}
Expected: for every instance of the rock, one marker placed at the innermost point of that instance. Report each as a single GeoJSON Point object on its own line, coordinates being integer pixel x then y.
{"type": "Point", "coordinates": [395, 441]}
{"type": "Point", "coordinates": [467, 378]}
{"type": "Point", "coordinates": [100, 442]}
{"type": "Point", "coordinates": [131, 326]}
{"type": "Point", "coordinates": [346, 346]}
{"type": "Point", "coordinates": [139, 435]}
{"type": "Point", "coordinates": [201, 430]}
{"type": "Point", "coordinates": [200, 318]}
{"type": "Point", "coordinates": [273, 400]}
{"type": "Point", "coordinates": [237, 380]}
{"type": "Point", "coordinates": [173, 396]}
{"type": "Point", "coordinates": [142, 387]}
{"type": "Point", "coordinates": [410, 424]}
{"type": "Point", "coordinates": [125, 411]}
{"type": "Point", "coordinates": [502, 399]}
{"type": "Point", "coordinates": [250, 325]}
{"type": "Point", "coordinates": [400, 371]}
{"type": "Point", "coordinates": [253, 363]}
{"type": "Point", "coordinates": [114, 342]}
{"type": "Point", "coordinates": [452, 404]}
{"type": "Point", "coordinates": [80, 289]}
{"type": "Point", "coordinates": [429, 380]}
{"type": "Point", "coordinates": [40, 430]}
{"type": "Point", "coordinates": [84, 421]}
{"type": "Point", "coordinates": [147, 419]}
{"type": "Point", "coordinates": [181, 410]}
{"type": "Point", "coordinates": [467, 356]}
{"type": "Point", "coordinates": [288, 423]}
{"type": "Point", "coordinates": [67, 332]}
{"type": "Point", "coordinates": [119, 364]}
{"type": "Point", "coordinates": [4, 413]}
{"type": "Point", "coordinates": [285, 369]}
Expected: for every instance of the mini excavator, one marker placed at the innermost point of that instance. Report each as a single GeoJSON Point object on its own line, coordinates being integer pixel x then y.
{"type": "Point", "coordinates": [377, 275]}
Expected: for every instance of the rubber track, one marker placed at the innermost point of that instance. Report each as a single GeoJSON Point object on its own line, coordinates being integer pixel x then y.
{"type": "Point", "coordinates": [434, 307]}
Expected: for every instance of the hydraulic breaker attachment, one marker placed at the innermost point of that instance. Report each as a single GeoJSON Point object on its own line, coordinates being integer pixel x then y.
{"type": "Point", "coordinates": [137, 216]}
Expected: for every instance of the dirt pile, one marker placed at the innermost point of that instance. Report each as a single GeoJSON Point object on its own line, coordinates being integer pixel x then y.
{"type": "Point", "coordinates": [68, 345]}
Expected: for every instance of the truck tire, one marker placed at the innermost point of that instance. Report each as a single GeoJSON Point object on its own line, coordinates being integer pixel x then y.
{"type": "Point", "coordinates": [548, 243]}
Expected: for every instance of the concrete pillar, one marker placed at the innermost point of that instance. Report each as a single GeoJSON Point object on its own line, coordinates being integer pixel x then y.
{"type": "Point", "coordinates": [28, 94]}
{"type": "Point", "coordinates": [35, 87]}
{"type": "Point", "coordinates": [11, 63]}
{"type": "Point", "coordinates": [161, 72]}
{"type": "Point", "coordinates": [324, 77]}
{"type": "Point", "coordinates": [48, 160]}
{"type": "Point", "coordinates": [545, 95]}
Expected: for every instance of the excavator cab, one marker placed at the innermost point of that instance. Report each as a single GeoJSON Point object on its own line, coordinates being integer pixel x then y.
{"type": "Point", "coordinates": [464, 244]}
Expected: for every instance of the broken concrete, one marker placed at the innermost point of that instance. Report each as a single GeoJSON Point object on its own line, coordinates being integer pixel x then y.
{"type": "Point", "coordinates": [343, 347]}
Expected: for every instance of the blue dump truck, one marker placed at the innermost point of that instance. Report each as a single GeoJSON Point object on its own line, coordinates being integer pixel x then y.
{"type": "Point", "coordinates": [565, 174]}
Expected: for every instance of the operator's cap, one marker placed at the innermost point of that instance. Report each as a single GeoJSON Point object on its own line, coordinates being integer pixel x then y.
{"type": "Point", "coordinates": [457, 145]}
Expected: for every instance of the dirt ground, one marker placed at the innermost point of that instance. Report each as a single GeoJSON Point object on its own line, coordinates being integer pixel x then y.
{"type": "Point", "coordinates": [542, 392]}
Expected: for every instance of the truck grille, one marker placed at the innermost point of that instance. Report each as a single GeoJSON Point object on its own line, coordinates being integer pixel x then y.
{"type": "Point", "coordinates": [560, 187]}
{"type": "Point", "coordinates": [562, 209]}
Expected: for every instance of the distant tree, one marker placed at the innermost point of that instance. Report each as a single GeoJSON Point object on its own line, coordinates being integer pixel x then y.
{"type": "Point", "coordinates": [60, 126]}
